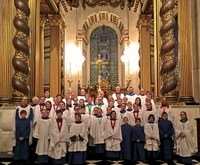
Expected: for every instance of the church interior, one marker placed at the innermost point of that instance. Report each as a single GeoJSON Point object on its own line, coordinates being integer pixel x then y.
{"type": "Point", "coordinates": [65, 46]}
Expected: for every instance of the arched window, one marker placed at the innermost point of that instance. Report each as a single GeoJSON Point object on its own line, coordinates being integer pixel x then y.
{"type": "Point", "coordinates": [104, 41]}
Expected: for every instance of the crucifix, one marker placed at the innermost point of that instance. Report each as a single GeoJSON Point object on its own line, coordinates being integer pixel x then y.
{"type": "Point", "coordinates": [99, 62]}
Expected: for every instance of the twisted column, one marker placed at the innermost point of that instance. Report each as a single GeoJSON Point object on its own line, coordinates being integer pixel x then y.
{"type": "Point", "coordinates": [22, 52]}
{"type": "Point", "coordinates": [167, 48]}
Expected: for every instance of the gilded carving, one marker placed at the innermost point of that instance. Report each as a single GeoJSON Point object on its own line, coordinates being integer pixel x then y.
{"type": "Point", "coordinates": [167, 47]}
{"type": "Point", "coordinates": [22, 52]}
{"type": "Point", "coordinates": [112, 3]}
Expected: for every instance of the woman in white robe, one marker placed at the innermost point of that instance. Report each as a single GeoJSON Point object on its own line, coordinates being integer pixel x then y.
{"type": "Point", "coordinates": [113, 137]}
{"type": "Point", "coordinates": [184, 139]}
{"type": "Point", "coordinates": [78, 141]}
{"type": "Point", "coordinates": [42, 134]}
{"type": "Point", "coordinates": [165, 107]}
{"type": "Point", "coordinates": [58, 139]}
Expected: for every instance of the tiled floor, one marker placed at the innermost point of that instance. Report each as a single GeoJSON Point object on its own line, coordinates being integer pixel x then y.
{"type": "Point", "coordinates": [99, 162]}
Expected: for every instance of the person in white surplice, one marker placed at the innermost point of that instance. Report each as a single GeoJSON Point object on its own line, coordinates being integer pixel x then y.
{"type": "Point", "coordinates": [113, 136]}
{"type": "Point", "coordinates": [42, 134]}
{"type": "Point", "coordinates": [184, 139]}
{"type": "Point", "coordinates": [58, 139]}
{"type": "Point", "coordinates": [78, 141]}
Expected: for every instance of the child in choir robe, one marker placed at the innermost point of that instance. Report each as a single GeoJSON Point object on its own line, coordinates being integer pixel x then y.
{"type": "Point", "coordinates": [185, 140]}
{"type": "Point", "coordinates": [97, 131]}
{"type": "Point", "coordinates": [58, 139]}
{"type": "Point", "coordinates": [23, 130]}
{"type": "Point", "coordinates": [166, 131]}
{"type": "Point", "coordinates": [138, 139]}
{"type": "Point", "coordinates": [78, 141]}
{"type": "Point", "coordinates": [152, 139]}
{"type": "Point", "coordinates": [113, 137]}
{"type": "Point", "coordinates": [42, 134]}
{"type": "Point", "coordinates": [126, 141]}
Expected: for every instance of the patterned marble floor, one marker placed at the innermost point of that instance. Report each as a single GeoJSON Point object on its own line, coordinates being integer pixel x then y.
{"type": "Point", "coordinates": [99, 162]}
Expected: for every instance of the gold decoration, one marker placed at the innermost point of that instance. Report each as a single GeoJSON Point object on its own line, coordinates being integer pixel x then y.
{"type": "Point", "coordinates": [112, 3]}
{"type": "Point", "coordinates": [99, 62]}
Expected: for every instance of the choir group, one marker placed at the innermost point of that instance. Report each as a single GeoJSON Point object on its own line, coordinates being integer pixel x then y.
{"type": "Point", "coordinates": [128, 127]}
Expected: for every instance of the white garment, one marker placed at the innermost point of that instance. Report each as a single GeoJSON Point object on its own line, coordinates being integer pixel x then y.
{"type": "Point", "coordinates": [152, 137]}
{"type": "Point", "coordinates": [76, 130]}
{"type": "Point", "coordinates": [185, 146]}
{"type": "Point", "coordinates": [97, 129]}
{"type": "Point", "coordinates": [58, 140]}
{"type": "Point", "coordinates": [42, 132]}
{"type": "Point", "coordinates": [113, 136]}
{"type": "Point", "coordinates": [114, 96]}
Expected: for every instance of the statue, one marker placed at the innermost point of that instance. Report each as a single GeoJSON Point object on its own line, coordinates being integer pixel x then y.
{"type": "Point", "coordinates": [99, 62]}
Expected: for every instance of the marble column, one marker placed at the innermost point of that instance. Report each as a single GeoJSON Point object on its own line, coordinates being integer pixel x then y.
{"type": "Point", "coordinates": [185, 51]}
{"type": "Point", "coordinates": [56, 24]}
{"type": "Point", "coordinates": [144, 24]}
{"type": "Point", "coordinates": [7, 31]}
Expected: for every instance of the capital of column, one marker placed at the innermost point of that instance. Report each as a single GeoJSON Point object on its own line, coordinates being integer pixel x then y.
{"type": "Point", "coordinates": [144, 20]}
{"type": "Point", "coordinates": [56, 20]}
{"type": "Point", "coordinates": [43, 19]}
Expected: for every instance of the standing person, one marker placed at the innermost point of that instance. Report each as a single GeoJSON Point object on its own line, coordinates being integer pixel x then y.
{"type": "Point", "coordinates": [78, 141]}
{"type": "Point", "coordinates": [126, 141]}
{"type": "Point", "coordinates": [97, 131]}
{"type": "Point", "coordinates": [165, 107]}
{"type": "Point", "coordinates": [58, 139]}
{"type": "Point", "coordinates": [82, 95]}
{"type": "Point", "coordinates": [23, 130]}
{"type": "Point", "coordinates": [166, 131]}
{"type": "Point", "coordinates": [48, 97]}
{"type": "Point", "coordinates": [35, 101]}
{"type": "Point", "coordinates": [152, 139]}
{"type": "Point", "coordinates": [38, 110]}
{"type": "Point", "coordinates": [113, 137]}
{"type": "Point", "coordinates": [138, 139]}
{"type": "Point", "coordinates": [134, 115]}
{"type": "Point", "coordinates": [184, 139]}
{"type": "Point", "coordinates": [131, 95]}
{"type": "Point", "coordinates": [23, 106]}
{"type": "Point", "coordinates": [117, 91]}
{"type": "Point", "coordinates": [42, 134]}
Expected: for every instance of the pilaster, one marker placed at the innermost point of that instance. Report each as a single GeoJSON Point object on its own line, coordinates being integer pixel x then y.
{"type": "Point", "coordinates": [185, 51]}
{"type": "Point", "coordinates": [56, 25]}
{"type": "Point", "coordinates": [144, 24]}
